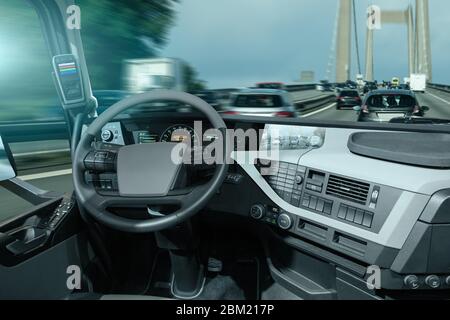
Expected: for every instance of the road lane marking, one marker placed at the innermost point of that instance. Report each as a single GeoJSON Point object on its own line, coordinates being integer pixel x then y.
{"type": "Point", "coordinates": [319, 111]}
{"type": "Point", "coordinates": [44, 175]}
{"type": "Point", "coordinates": [439, 98]}
{"type": "Point", "coordinates": [38, 153]}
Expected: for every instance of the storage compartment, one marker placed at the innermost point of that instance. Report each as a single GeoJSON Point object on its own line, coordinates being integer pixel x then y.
{"type": "Point", "coordinates": [417, 149]}
{"type": "Point", "coordinates": [349, 243]}
{"type": "Point", "coordinates": [312, 229]}
{"type": "Point", "coordinates": [302, 274]}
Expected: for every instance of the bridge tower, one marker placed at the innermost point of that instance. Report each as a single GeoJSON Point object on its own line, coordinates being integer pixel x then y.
{"type": "Point", "coordinates": [418, 38]}
{"type": "Point", "coordinates": [343, 41]}
{"type": "Point", "coordinates": [423, 62]}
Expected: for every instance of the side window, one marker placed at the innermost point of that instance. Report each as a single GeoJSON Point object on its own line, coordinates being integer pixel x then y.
{"type": "Point", "coordinates": [28, 98]}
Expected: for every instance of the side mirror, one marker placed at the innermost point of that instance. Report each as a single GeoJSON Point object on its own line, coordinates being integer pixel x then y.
{"type": "Point", "coordinates": [425, 109]}
{"type": "Point", "coordinates": [7, 165]}
{"type": "Point", "coordinates": [357, 108]}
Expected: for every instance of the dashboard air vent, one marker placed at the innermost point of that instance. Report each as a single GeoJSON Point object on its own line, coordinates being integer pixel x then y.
{"type": "Point", "coordinates": [348, 189]}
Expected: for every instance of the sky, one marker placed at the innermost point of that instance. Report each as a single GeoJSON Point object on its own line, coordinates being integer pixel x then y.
{"type": "Point", "coordinates": [236, 43]}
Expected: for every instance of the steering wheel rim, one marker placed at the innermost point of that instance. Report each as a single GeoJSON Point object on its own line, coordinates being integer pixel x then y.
{"type": "Point", "coordinates": [191, 201]}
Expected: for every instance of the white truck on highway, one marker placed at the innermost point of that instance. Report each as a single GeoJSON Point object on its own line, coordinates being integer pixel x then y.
{"type": "Point", "coordinates": [418, 82]}
{"type": "Point", "coordinates": [141, 75]}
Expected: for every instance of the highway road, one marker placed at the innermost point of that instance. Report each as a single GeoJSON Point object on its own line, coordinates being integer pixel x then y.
{"type": "Point", "coordinates": [47, 164]}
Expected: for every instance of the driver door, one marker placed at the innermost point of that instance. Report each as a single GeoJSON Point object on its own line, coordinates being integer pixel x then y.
{"type": "Point", "coordinates": [40, 229]}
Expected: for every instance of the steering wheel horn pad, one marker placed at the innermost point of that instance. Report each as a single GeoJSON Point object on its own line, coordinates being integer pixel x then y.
{"type": "Point", "coordinates": [143, 170]}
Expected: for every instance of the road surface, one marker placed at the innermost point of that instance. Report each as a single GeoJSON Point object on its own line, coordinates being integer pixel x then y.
{"type": "Point", "coordinates": [53, 172]}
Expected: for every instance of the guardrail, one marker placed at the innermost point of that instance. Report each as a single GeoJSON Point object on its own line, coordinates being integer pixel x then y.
{"type": "Point", "coordinates": [314, 103]}
{"type": "Point", "coordinates": [441, 87]}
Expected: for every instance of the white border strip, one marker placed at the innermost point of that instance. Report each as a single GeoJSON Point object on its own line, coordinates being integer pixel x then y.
{"type": "Point", "coordinates": [44, 175]}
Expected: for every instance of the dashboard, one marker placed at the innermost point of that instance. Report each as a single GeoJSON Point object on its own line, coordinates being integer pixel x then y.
{"type": "Point", "coordinates": [308, 183]}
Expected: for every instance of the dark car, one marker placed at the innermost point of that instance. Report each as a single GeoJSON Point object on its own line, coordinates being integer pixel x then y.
{"type": "Point", "coordinates": [370, 86]}
{"type": "Point", "coordinates": [271, 85]}
{"type": "Point", "coordinates": [210, 97]}
{"type": "Point", "coordinates": [348, 99]}
{"type": "Point", "coordinates": [385, 105]}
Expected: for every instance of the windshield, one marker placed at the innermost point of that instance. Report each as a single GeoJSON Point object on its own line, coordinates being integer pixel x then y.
{"type": "Point", "coordinates": [226, 47]}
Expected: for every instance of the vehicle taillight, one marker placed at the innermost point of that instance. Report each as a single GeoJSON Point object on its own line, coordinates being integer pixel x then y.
{"type": "Point", "coordinates": [231, 113]}
{"type": "Point", "coordinates": [284, 114]}
{"type": "Point", "coordinates": [364, 109]}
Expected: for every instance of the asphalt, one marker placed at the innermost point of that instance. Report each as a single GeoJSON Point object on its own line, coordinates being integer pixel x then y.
{"type": "Point", "coordinates": [33, 158]}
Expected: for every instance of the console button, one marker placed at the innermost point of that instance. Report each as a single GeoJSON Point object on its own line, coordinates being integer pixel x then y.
{"type": "Point", "coordinates": [306, 199]}
{"type": "Point", "coordinates": [342, 212]}
{"type": "Point", "coordinates": [350, 214]}
{"type": "Point", "coordinates": [257, 211]}
{"type": "Point", "coordinates": [313, 203]}
{"type": "Point", "coordinates": [447, 281]}
{"type": "Point", "coordinates": [412, 282]}
{"type": "Point", "coordinates": [359, 216]}
{"type": "Point", "coordinates": [433, 281]}
{"type": "Point", "coordinates": [295, 200]}
{"type": "Point", "coordinates": [298, 179]}
{"type": "Point", "coordinates": [284, 221]}
{"type": "Point", "coordinates": [368, 217]}
{"type": "Point", "coordinates": [320, 205]}
{"type": "Point", "coordinates": [328, 207]}
{"type": "Point", "coordinates": [287, 196]}
{"type": "Point", "coordinates": [284, 165]}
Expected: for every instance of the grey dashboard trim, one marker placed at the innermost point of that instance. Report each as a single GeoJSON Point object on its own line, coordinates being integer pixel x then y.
{"type": "Point", "coordinates": [395, 230]}
{"type": "Point", "coordinates": [334, 153]}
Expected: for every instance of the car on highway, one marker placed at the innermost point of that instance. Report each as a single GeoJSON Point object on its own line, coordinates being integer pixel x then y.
{"type": "Point", "coordinates": [271, 85]}
{"type": "Point", "coordinates": [348, 99]}
{"type": "Point", "coordinates": [385, 105]}
{"type": "Point", "coordinates": [262, 102]}
{"type": "Point", "coordinates": [210, 97]}
{"type": "Point", "coordinates": [369, 86]}
{"type": "Point", "coordinates": [404, 86]}
{"type": "Point", "coordinates": [324, 86]}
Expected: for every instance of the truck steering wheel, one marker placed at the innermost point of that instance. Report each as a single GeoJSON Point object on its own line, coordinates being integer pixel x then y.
{"type": "Point", "coordinates": [145, 172]}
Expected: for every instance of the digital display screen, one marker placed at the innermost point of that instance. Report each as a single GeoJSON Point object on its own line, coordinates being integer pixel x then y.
{"type": "Point", "coordinates": [67, 69]}
{"type": "Point", "coordinates": [282, 137]}
{"type": "Point", "coordinates": [69, 78]}
{"type": "Point", "coordinates": [6, 169]}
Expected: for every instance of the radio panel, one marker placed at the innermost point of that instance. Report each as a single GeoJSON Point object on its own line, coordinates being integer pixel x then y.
{"type": "Point", "coordinates": [344, 199]}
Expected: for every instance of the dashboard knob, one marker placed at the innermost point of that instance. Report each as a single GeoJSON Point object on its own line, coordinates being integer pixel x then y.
{"type": "Point", "coordinates": [298, 179]}
{"type": "Point", "coordinates": [107, 135]}
{"type": "Point", "coordinates": [447, 281]}
{"type": "Point", "coordinates": [284, 221]}
{"type": "Point", "coordinates": [257, 211]}
{"type": "Point", "coordinates": [433, 282]}
{"type": "Point", "coordinates": [412, 282]}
